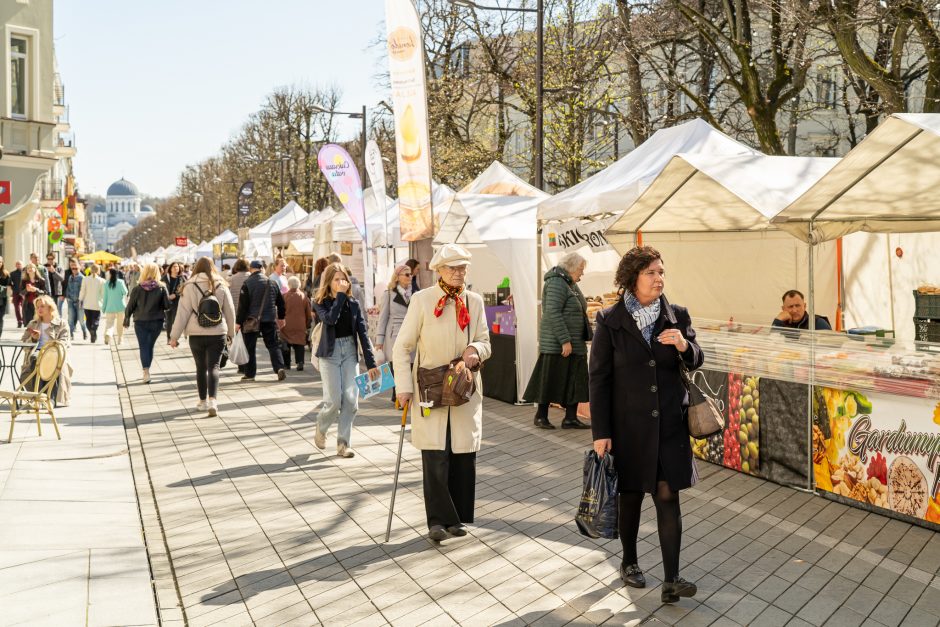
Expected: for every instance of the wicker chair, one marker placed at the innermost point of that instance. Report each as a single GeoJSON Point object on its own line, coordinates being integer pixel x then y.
{"type": "Point", "coordinates": [35, 391]}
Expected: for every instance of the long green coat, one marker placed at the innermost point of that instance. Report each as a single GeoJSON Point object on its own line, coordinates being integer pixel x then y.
{"type": "Point", "coordinates": [564, 314]}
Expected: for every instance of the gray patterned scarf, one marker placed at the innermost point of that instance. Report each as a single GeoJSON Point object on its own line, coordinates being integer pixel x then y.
{"type": "Point", "coordinates": [645, 316]}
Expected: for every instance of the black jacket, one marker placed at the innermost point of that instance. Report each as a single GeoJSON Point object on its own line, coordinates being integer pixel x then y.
{"type": "Point", "coordinates": [638, 398]}
{"type": "Point", "coordinates": [328, 313]}
{"type": "Point", "coordinates": [146, 305]}
{"type": "Point", "coordinates": [260, 297]}
{"type": "Point", "coordinates": [16, 281]}
{"type": "Point", "coordinates": [55, 284]}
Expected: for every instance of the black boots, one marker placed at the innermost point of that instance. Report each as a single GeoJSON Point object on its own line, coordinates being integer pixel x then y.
{"type": "Point", "coordinates": [679, 587]}
{"type": "Point", "coordinates": [542, 422]}
{"type": "Point", "coordinates": [632, 576]}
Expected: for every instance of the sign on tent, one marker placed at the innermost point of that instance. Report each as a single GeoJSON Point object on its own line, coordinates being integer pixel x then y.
{"type": "Point", "coordinates": [571, 235]}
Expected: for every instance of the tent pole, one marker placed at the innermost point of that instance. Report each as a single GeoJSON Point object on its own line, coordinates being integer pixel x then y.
{"type": "Point", "coordinates": [840, 304]}
{"type": "Point", "coordinates": [812, 362]}
{"type": "Point", "coordinates": [539, 271]}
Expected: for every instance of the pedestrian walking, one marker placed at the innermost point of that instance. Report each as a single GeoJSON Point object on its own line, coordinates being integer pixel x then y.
{"type": "Point", "coordinates": [54, 283]}
{"type": "Point", "coordinates": [279, 274]}
{"type": "Point", "coordinates": [261, 312]}
{"type": "Point", "coordinates": [343, 335]}
{"type": "Point", "coordinates": [112, 306]}
{"type": "Point", "coordinates": [132, 276]}
{"type": "Point", "coordinates": [4, 293]}
{"type": "Point", "coordinates": [394, 307]}
{"type": "Point", "coordinates": [16, 290]}
{"type": "Point", "coordinates": [445, 323]}
{"type": "Point", "coordinates": [561, 372]}
{"type": "Point", "coordinates": [72, 289]}
{"type": "Point", "coordinates": [639, 407]}
{"type": "Point", "coordinates": [91, 295]}
{"type": "Point", "coordinates": [40, 269]}
{"type": "Point", "coordinates": [32, 286]}
{"type": "Point", "coordinates": [297, 318]}
{"type": "Point", "coordinates": [313, 279]}
{"type": "Point", "coordinates": [207, 316]}
{"type": "Point", "coordinates": [147, 304]}
{"type": "Point", "coordinates": [174, 280]}
{"type": "Point", "coordinates": [413, 265]}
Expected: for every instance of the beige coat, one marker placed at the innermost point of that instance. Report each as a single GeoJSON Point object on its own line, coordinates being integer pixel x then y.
{"type": "Point", "coordinates": [436, 341]}
{"type": "Point", "coordinates": [58, 331]}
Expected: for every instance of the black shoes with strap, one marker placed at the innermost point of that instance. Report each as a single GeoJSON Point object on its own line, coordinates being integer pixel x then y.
{"type": "Point", "coordinates": [632, 576]}
{"type": "Point", "coordinates": [672, 590]}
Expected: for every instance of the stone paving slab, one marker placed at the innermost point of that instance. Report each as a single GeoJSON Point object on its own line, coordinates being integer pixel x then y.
{"type": "Point", "coordinates": [71, 547]}
{"type": "Point", "coordinates": [254, 525]}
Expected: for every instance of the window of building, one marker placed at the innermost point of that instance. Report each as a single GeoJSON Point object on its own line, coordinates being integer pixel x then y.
{"type": "Point", "coordinates": [827, 87]}
{"type": "Point", "coordinates": [18, 76]}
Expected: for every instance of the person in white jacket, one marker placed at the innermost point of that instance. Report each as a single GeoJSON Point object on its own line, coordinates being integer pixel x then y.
{"type": "Point", "coordinates": [91, 295]}
{"type": "Point", "coordinates": [394, 303]}
{"type": "Point", "coordinates": [443, 323]}
{"type": "Point", "coordinates": [206, 340]}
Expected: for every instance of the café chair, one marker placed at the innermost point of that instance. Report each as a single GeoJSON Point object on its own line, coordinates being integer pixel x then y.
{"type": "Point", "coordinates": [35, 391]}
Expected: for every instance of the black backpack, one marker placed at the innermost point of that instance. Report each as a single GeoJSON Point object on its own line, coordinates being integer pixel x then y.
{"type": "Point", "coordinates": [209, 311]}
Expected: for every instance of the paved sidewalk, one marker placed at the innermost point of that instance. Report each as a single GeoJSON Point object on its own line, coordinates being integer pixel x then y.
{"type": "Point", "coordinates": [247, 522]}
{"type": "Point", "coordinates": [71, 548]}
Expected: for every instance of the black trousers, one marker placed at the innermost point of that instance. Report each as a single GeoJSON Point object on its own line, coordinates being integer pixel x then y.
{"type": "Point", "coordinates": [449, 485]}
{"type": "Point", "coordinates": [207, 353]}
{"type": "Point", "coordinates": [298, 353]}
{"type": "Point", "coordinates": [271, 342]}
{"type": "Point", "coordinates": [92, 318]}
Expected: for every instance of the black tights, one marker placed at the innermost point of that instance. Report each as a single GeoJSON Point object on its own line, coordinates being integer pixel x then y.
{"type": "Point", "coordinates": [668, 519]}
{"type": "Point", "coordinates": [571, 411]}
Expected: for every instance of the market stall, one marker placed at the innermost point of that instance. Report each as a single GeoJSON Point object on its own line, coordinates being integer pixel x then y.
{"type": "Point", "coordinates": [304, 228]}
{"type": "Point", "coordinates": [224, 246]}
{"type": "Point", "coordinates": [888, 184]}
{"type": "Point", "coordinates": [289, 214]}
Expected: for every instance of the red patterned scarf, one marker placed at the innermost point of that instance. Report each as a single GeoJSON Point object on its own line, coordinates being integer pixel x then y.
{"type": "Point", "coordinates": [463, 314]}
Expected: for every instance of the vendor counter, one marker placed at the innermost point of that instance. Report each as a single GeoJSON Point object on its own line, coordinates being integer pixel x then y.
{"type": "Point", "coordinates": [499, 371]}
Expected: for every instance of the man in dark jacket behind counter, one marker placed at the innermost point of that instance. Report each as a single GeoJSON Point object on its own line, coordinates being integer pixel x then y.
{"type": "Point", "coordinates": [261, 298]}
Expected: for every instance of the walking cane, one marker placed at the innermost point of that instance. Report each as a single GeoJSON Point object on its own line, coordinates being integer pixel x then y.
{"type": "Point", "coordinates": [401, 444]}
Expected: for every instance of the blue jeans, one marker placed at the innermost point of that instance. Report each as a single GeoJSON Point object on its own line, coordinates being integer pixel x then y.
{"type": "Point", "coordinates": [340, 394]}
{"type": "Point", "coordinates": [76, 314]}
{"type": "Point", "coordinates": [147, 332]}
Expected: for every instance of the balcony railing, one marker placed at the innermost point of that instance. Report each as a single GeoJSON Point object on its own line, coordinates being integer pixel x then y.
{"type": "Point", "coordinates": [27, 137]}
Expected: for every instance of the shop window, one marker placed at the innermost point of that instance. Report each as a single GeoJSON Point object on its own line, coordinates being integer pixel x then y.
{"type": "Point", "coordinates": [827, 87]}
{"type": "Point", "coordinates": [18, 76]}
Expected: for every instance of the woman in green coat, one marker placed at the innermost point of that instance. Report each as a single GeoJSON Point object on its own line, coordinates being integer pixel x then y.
{"type": "Point", "coordinates": [561, 373]}
{"type": "Point", "coordinates": [112, 306]}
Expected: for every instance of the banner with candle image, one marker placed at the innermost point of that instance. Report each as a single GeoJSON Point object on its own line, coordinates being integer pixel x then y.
{"type": "Point", "coordinates": [879, 449]}
{"type": "Point", "coordinates": [409, 99]}
{"type": "Point", "coordinates": [341, 173]}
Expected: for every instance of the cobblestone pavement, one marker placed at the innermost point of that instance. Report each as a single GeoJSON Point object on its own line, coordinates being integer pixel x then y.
{"type": "Point", "coordinates": [247, 522]}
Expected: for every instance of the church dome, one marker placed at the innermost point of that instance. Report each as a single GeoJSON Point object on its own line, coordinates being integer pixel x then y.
{"type": "Point", "coordinates": [147, 209]}
{"type": "Point", "coordinates": [123, 188]}
{"type": "Point", "coordinates": [99, 209]}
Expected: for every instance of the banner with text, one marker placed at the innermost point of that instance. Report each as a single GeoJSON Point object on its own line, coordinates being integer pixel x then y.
{"type": "Point", "coordinates": [879, 449]}
{"type": "Point", "coordinates": [409, 98]}
{"type": "Point", "coordinates": [343, 176]}
{"type": "Point", "coordinates": [376, 171]}
{"type": "Point", "coordinates": [571, 235]}
{"type": "Point", "coordinates": [245, 193]}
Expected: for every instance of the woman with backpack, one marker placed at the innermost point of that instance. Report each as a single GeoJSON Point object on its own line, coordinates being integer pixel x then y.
{"type": "Point", "coordinates": [112, 306]}
{"type": "Point", "coordinates": [207, 315]}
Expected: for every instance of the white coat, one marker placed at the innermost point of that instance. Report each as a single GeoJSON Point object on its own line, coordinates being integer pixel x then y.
{"type": "Point", "coordinates": [390, 321]}
{"type": "Point", "coordinates": [92, 293]}
{"type": "Point", "coordinates": [436, 341]}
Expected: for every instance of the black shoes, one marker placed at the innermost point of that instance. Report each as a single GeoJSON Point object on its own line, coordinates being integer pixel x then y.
{"type": "Point", "coordinates": [574, 423]}
{"type": "Point", "coordinates": [458, 530]}
{"type": "Point", "coordinates": [300, 367]}
{"type": "Point", "coordinates": [632, 576]}
{"type": "Point", "coordinates": [437, 533]}
{"type": "Point", "coordinates": [542, 423]}
{"type": "Point", "coordinates": [672, 590]}
{"type": "Point", "coordinates": [281, 374]}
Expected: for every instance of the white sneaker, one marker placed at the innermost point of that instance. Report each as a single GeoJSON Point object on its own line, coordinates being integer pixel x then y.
{"type": "Point", "coordinates": [213, 406]}
{"type": "Point", "coordinates": [345, 451]}
{"type": "Point", "coordinates": [146, 377]}
{"type": "Point", "coordinates": [320, 440]}
{"type": "Point", "coordinates": [202, 406]}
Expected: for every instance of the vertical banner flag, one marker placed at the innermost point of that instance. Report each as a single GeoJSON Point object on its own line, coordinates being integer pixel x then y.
{"type": "Point", "coordinates": [409, 97]}
{"type": "Point", "coordinates": [376, 172]}
{"type": "Point", "coordinates": [244, 200]}
{"type": "Point", "coordinates": [341, 173]}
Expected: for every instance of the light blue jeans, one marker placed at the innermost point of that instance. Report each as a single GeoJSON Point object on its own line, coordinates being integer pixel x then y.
{"type": "Point", "coordinates": [340, 395]}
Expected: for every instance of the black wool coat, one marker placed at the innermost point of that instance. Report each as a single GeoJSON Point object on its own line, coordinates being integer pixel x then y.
{"type": "Point", "coordinates": [638, 399]}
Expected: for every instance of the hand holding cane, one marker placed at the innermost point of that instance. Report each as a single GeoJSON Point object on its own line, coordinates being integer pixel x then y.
{"type": "Point", "coordinates": [401, 444]}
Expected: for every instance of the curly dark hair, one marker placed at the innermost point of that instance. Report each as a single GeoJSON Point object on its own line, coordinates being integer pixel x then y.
{"type": "Point", "coordinates": [633, 262]}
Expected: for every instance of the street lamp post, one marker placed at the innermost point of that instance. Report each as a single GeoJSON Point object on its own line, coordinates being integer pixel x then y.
{"type": "Point", "coordinates": [539, 11]}
{"type": "Point", "coordinates": [355, 115]}
{"type": "Point", "coordinates": [196, 198]}
{"type": "Point", "coordinates": [218, 208]}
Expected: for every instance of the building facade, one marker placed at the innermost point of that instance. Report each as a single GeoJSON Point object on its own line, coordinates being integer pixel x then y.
{"type": "Point", "coordinates": [120, 213]}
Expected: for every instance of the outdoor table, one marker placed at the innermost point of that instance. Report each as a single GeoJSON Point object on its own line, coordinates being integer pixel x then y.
{"type": "Point", "coordinates": [10, 353]}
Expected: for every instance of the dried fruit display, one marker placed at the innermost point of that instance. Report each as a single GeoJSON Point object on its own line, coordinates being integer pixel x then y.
{"type": "Point", "coordinates": [742, 431]}
{"type": "Point", "coordinates": [731, 456]}
{"type": "Point", "coordinates": [933, 510]}
{"type": "Point", "coordinates": [907, 488]}
{"type": "Point", "coordinates": [878, 467]}
{"type": "Point", "coordinates": [850, 479]}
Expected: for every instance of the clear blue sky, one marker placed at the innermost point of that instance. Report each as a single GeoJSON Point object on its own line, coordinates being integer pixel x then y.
{"type": "Point", "coordinates": [155, 85]}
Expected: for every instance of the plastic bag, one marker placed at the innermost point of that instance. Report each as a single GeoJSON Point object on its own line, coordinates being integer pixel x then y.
{"type": "Point", "coordinates": [597, 512]}
{"type": "Point", "coordinates": [238, 352]}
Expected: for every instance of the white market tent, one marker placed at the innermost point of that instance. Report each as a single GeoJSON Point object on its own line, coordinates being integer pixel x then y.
{"type": "Point", "coordinates": [616, 187]}
{"type": "Point", "coordinates": [883, 197]}
{"type": "Point", "coordinates": [500, 180]}
{"type": "Point", "coordinates": [225, 237]}
{"type": "Point", "coordinates": [709, 215]}
{"type": "Point", "coordinates": [500, 230]}
{"type": "Point", "coordinates": [306, 227]}
{"type": "Point", "coordinates": [203, 249]}
{"type": "Point", "coordinates": [288, 214]}
{"type": "Point", "coordinates": [301, 247]}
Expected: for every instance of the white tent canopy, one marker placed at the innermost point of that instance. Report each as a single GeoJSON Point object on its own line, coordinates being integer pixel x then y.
{"type": "Point", "coordinates": [288, 214]}
{"type": "Point", "coordinates": [303, 228]}
{"type": "Point", "coordinates": [203, 249]}
{"type": "Point", "coordinates": [714, 193]}
{"type": "Point", "coordinates": [619, 185]}
{"type": "Point", "coordinates": [225, 237]}
{"type": "Point", "coordinates": [888, 183]}
{"type": "Point", "coordinates": [500, 180]}
{"type": "Point", "coordinates": [345, 231]}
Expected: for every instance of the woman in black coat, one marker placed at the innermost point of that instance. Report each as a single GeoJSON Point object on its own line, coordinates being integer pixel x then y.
{"type": "Point", "coordinates": [639, 406]}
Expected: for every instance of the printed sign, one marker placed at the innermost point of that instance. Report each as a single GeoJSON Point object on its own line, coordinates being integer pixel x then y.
{"type": "Point", "coordinates": [409, 98]}
{"type": "Point", "coordinates": [245, 194]}
{"type": "Point", "coordinates": [343, 176]}
{"type": "Point", "coordinates": [573, 234]}
{"type": "Point", "coordinates": [879, 449]}
{"type": "Point", "coordinates": [738, 396]}
{"type": "Point", "coordinates": [182, 242]}
{"type": "Point", "coordinates": [384, 382]}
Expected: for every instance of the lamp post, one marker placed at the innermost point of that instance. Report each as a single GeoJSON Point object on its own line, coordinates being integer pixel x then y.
{"type": "Point", "coordinates": [196, 198]}
{"type": "Point", "coordinates": [355, 115]}
{"type": "Point", "coordinates": [218, 208]}
{"type": "Point", "coordinates": [539, 11]}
